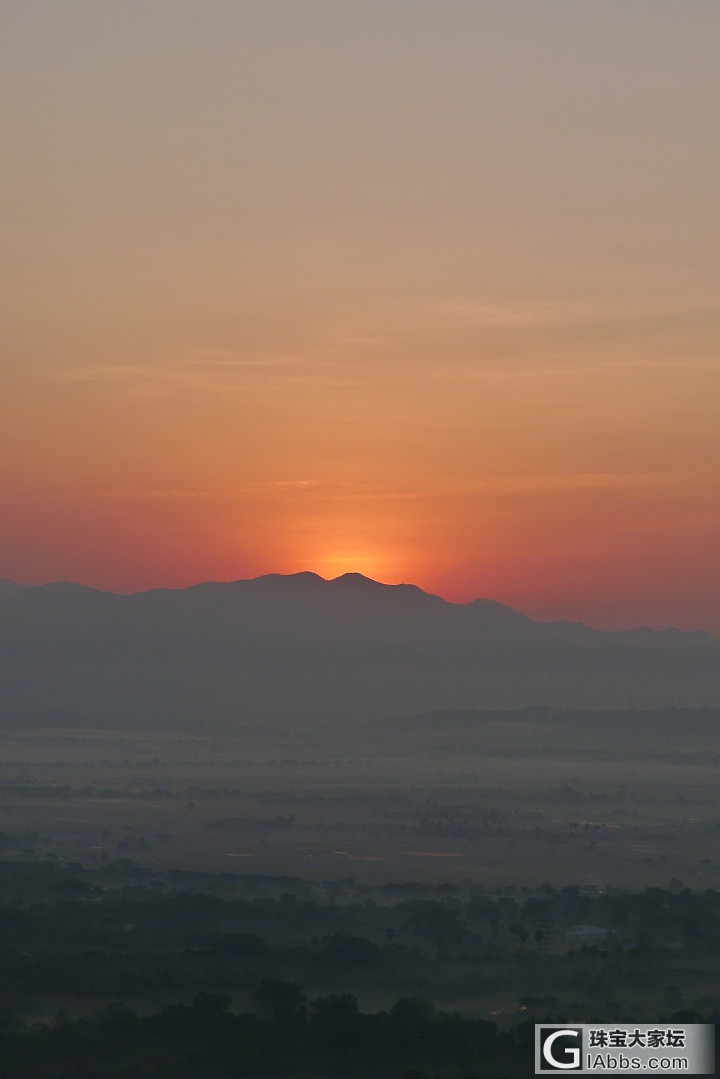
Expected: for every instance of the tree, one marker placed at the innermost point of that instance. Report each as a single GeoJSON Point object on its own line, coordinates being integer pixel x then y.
{"type": "Point", "coordinates": [280, 1001]}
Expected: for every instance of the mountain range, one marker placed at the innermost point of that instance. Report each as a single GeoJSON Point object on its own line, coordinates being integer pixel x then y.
{"type": "Point", "coordinates": [300, 650]}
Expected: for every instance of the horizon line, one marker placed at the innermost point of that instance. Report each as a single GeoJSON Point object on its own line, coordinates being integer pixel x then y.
{"type": "Point", "coordinates": [356, 575]}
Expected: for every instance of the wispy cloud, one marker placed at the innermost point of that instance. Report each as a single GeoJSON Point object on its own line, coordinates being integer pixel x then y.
{"type": "Point", "coordinates": [566, 310]}
{"type": "Point", "coordinates": [150, 494]}
{"type": "Point", "coordinates": [211, 371]}
{"type": "Point", "coordinates": [481, 485]}
{"type": "Point", "coordinates": [208, 358]}
{"type": "Point", "coordinates": [107, 372]}
{"type": "Point", "coordinates": [439, 489]}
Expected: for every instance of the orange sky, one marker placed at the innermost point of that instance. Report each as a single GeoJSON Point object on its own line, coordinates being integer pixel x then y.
{"type": "Point", "coordinates": [427, 291]}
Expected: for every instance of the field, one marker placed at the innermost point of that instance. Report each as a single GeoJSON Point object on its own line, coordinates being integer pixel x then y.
{"type": "Point", "coordinates": [522, 804]}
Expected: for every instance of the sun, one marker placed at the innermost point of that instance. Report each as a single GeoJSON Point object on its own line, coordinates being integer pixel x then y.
{"type": "Point", "coordinates": [374, 564]}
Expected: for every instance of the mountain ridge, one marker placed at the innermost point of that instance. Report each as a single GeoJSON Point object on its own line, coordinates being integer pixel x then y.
{"type": "Point", "coordinates": [9, 587]}
{"type": "Point", "coordinates": [298, 649]}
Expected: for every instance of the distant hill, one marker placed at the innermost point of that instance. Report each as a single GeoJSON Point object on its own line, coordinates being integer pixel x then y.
{"type": "Point", "coordinates": [302, 650]}
{"type": "Point", "coordinates": [10, 588]}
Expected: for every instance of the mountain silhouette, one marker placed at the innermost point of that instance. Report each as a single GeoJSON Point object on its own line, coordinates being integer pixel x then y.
{"type": "Point", "coordinates": [301, 650]}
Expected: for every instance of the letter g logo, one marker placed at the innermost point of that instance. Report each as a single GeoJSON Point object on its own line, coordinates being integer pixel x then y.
{"type": "Point", "coordinates": [561, 1049]}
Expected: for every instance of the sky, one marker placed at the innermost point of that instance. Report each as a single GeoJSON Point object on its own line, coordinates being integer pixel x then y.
{"type": "Point", "coordinates": [422, 289]}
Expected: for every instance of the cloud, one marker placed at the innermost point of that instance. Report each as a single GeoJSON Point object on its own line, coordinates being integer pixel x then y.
{"type": "Point", "coordinates": [229, 359]}
{"type": "Point", "coordinates": [471, 311]}
{"type": "Point", "coordinates": [213, 370]}
{"type": "Point", "coordinates": [480, 486]}
{"type": "Point", "coordinates": [108, 372]}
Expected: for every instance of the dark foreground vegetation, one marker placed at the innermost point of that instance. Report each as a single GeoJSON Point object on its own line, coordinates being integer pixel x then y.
{"type": "Point", "coordinates": [115, 971]}
{"type": "Point", "coordinates": [205, 1039]}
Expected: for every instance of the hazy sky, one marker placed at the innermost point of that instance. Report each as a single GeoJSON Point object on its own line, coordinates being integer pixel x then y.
{"type": "Point", "coordinates": [426, 289]}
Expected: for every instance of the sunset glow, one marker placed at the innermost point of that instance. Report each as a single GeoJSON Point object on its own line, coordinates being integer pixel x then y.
{"type": "Point", "coordinates": [422, 291]}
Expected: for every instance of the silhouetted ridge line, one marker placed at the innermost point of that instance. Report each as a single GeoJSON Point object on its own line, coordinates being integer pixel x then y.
{"type": "Point", "coordinates": [301, 650]}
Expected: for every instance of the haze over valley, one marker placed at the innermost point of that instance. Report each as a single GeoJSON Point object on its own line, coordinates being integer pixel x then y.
{"type": "Point", "coordinates": [290, 709]}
